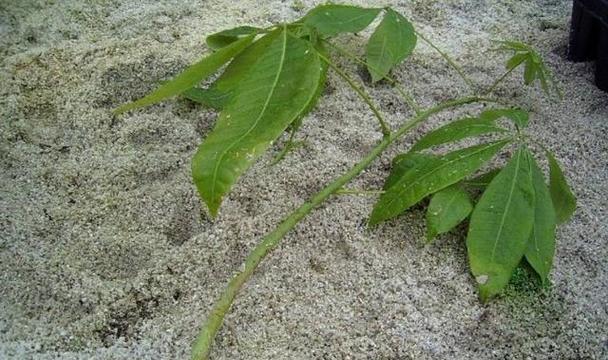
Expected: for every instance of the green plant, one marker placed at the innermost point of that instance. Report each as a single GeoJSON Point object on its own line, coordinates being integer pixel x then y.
{"type": "Point", "coordinates": [275, 76]}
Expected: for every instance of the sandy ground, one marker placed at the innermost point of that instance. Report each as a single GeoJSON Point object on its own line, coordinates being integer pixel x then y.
{"type": "Point", "coordinates": [107, 253]}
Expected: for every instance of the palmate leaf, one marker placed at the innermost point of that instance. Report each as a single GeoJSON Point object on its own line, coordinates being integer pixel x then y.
{"type": "Point", "coordinates": [330, 20]}
{"type": "Point", "coordinates": [518, 116]}
{"type": "Point", "coordinates": [541, 244]}
{"type": "Point", "coordinates": [458, 130]}
{"type": "Point", "coordinates": [392, 41]}
{"type": "Point", "coordinates": [227, 37]}
{"type": "Point", "coordinates": [191, 76]}
{"type": "Point", "coordinates": [222, 90]}
{"type": "Point", "coordinates": [431, 176]}
{"type": "Point", "coordinates": [563, 199]}
{"type": "Point", "coordinates": [482, 181]}
{"type": "Point", "coordinates": [534, 67]}
{"type": "Point", "coordinates": [501, 224]}
{"type": "Point", "coordinates": [277, 90]}
{"type": "Point", "coordinates": [448, 208]}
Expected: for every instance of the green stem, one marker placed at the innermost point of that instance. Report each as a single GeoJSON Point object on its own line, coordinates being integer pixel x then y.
{"type": "Point", "coordinates": [409, 100]}
{"type": "Point", "coordinates": [204, 340]}
{"type": "Point", "coordinates": [449, 60]}
{"type": "Point", "coordinates": [345, 191]}
{"type": "Point", "coordinates": [498, 81]}
{"type": "Point", "coordinates": [383, 126]}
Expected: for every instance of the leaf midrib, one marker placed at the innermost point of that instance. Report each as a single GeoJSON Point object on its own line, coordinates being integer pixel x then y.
{"type": "Point", "coordinates": [507, 206]}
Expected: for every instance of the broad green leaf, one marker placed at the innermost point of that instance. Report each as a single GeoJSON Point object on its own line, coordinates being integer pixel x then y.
{"type": "Point", "coordinates": [404, 162]}
{"type": "Point", "coordinates": [278, 88]}
{"type": "Point", "coordinates": [518, 116]}
{"type": "Point", "coordinates": [222, 90]}
{"type": "Point", "coordinates": [458, 130]}
{"type": "Point", "coordinates": [191, 76]}
{"type": "Point", "coordinates": [482, 181]}
{"type": "Point", "coordinates": [227, 37]}
{"type": "Point", "coordinates": [431, 176]}
{"type": "Point", "coordinates": [563, 199]}
{"type": "Point", "coordinates": [448, 207]}
{"type": "Point", "coordinates": [541, 244]}
{"type": "Point", "coordinates": [392, 41]}
{"type": "Point", "coordinates": [330, 20]}
{"type": "Point", "coordinates": [501, 224]}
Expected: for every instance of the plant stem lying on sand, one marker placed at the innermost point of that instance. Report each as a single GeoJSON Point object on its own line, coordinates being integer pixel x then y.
{"type": "Point", "coordinates": [204, 340]}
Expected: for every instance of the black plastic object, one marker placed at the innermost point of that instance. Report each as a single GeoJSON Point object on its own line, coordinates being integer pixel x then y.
{"type": "Point", "coordinates": [589, 37]}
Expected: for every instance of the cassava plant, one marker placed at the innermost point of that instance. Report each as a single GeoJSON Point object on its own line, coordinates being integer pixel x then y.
{"type": "Point", "coordinates": [273, 76]}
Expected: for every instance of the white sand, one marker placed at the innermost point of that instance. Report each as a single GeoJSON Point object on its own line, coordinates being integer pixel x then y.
{"type": "Point", "coordinates": [106, 251]}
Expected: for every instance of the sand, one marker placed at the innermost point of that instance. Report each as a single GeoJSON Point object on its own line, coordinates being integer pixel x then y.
{"type": "Point", "coordinates": [107, 253]}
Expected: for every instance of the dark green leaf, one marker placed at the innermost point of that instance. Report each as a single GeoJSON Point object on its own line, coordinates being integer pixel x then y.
{"type": "Point", "coordinates": [212, 97]}
{"type": "Point", "coordinates": [404, 162]}
{"type": "Point", "coordinates": [564, 200]}
{"type": "Point", "coordinates": [458, 130]}
{"type": "Point", "coordinates": [541, 245]}
{"type": "Point", "coordinates": [431, 176]}
{"type": "Point", "coordinates": [191, 76]}
{"type": "Point", "coordinates": [227, 37]}
{"type": "Point", "coordinates": [482, 181]}
{"type": "Point", "coordinates": [518, 116]}
{"type": "Point", "coordinates": [448, 207]}
{"type": "Point", "coordinates": [392, 41]}
{"type": "Point", "coordinates": [501, 224]}
{"type": "Point", "coordinates": [277, 90]}
{"type": "Point", "coordinates": [330, 20]}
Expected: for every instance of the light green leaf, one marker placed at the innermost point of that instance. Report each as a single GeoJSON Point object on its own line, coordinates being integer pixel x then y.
{"type": "Point", "coordinates": [501, 224]}
{"type": "Point", "coordinates": [276, 91]}
{"type": "Point", "coordinates": [541, 244]}
{"type": "Point", "coordinates": [330, 20]}
{"type": "Point", "coordinates": [448, 207]}
{"type": "Point", "coordinates": [518, 116]}
{"type": "Point", "coordinates": [392, 41]}
{"type": "Point", "coordinates": [564, 200]}
{"type": "Point", "coordinates": [191, 76]}
{"type": "Point", "coordinates": [227, 37]}
{"type": "Point", "coordinates": [431, 176]}
{"type": "Point", "coordinates": [458, 130]}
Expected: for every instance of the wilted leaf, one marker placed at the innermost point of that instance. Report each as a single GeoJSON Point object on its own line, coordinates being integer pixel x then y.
{"type": "Point", "coordinates": [448, 207]}
{"type": "Point", "coordinates": [563, 199]}
{"type": "Point", "coordinates": [501, 224]}
{"type": "Point", "coordinates": [227, 37]}
{"type": "Point", "coordinates": [431, 176]}
{"type": "Point", "coordinates": [330, 20]}
{"type": "Point", "coordinates": [458, 130]}
{"type": "Point", "coordinates": [541, 245]}
{"type": "Point", "coordinates": [277, 90]}
{"type": "Point", "coordinates": [191, 76]}
{"type": "Point", "coordinates": [392, 41]}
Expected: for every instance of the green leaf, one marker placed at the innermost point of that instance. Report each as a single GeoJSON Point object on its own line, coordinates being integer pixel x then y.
{"type": "Point", "coordinates": [191, 76]}
{"type": "Point", "coordinates": [392, 41]}
{"type": "Point", "coordinates": [563, 199]}
{"type": "Point", "coordinates": [501, 224]}
{"type": "Point", "coordinates": [448, 207]}
{"type": "Point", "coordinates": [277, 90]}
{"type": "Point", "coordinates": [431, 176]}
{"type": "Point", "coordinates": [518, 116]}
{"type": "Point", "coordinates": [458, 130]}
{"type": "Point", "coordinates": [227, 37]}
{"type": "Point", "coordinates": [222, 90]}
{"type": "Point", "coordinates": [404, 162]}
{"type": "Point", "coordinates": [482, 181]}
{"type": "Point", "coordinates": [541, 244]}
{"type": "Point", "coordinates": [330, 20]}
